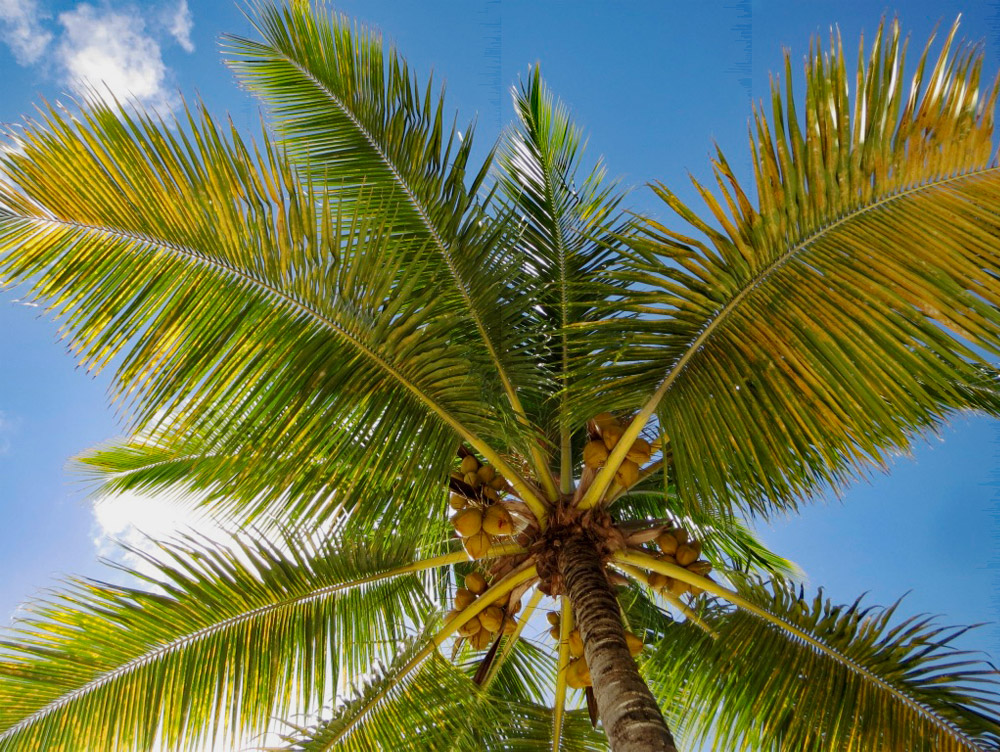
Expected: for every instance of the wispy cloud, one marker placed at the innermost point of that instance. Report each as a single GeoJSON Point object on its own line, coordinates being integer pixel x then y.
{"type": "Point", "coordinates": [108, 49]}
{"type": "Point", "coordinates": [180, 24]}
{"type": "Point", "coordinates": [21, 29]}
{"type": "Point", "coordinates": [109, 53]}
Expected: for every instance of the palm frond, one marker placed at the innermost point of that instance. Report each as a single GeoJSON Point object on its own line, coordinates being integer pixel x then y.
{"type": "Point", "coordinates": [225, 640]}
{"type": "Point", "coordinates": [569, 229]}
{"type": "Point", "coordinates": [807, 339]}
{"type": "Point", "coordinates": [884, 683]}
{"type": "Point", "coordinates": [244, 318]}
{"type": "Point", "coordinates": [352, 116]}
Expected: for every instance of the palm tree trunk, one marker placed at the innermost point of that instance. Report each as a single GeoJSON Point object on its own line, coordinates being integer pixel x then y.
{"type": "Point", "coordinates": [631, 718]}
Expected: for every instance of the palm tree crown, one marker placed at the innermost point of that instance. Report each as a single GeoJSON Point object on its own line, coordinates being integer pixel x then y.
{"type": "Point", "coordinates": [431, 392]}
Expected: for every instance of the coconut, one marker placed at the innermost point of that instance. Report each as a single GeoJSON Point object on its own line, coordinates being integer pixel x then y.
{"type": "Point", "coordinates": [457, 501]}
{"type": "Point", "coordinates": [487, 473]}
{"type": "Point", "coordinates": [490, 493]}
{"type": "Point", "coordinates": [639, 452]}
{"type": "Point", "coordinates": [686, 554]}
{"type": "Point", "coordinates": [470, 627]}
{"type": "Point", "coordinates": [498, 483]}
{"type": "Point", "coordinates": [668, 558]}
{"type": "Point", "coordinates": [464, 598]}
{"type": "Point", "coordinates": [477, 545]}
{"type": "Point", "coordinates": [469, 464]}
{"type": "Point", "coordinates": [553, 617]}
{"type": "Point", "coordinates": [635, 645]}
{"type": "Point", "coordinates": [595, 454]}
{"type": "Point", "coordinates": [468, 522]}
{"type": "Point", "coordinates": [700, 567]}
{"type": "Point", "coordinates": [575, 643]}
{"type": "Point", "coordinates": [667, 543]}
{"type": "Point", "coordinates": [497, 521]}
{"type": "Point", "coordinates": [657, 580]}
{"type": "Point", "coordinates": [492, 618]}
{"type": "Point", "coordinates": [509, 626]}
{"type": "Point", "coordinates": [476, 583]}
{"type": "Point", "coordinates": [554, 633]}
{"type": "Point", "coordinates": [610, 435]}
{"type": "Point", "coordinates": [472, 479]}
{"type": "Point", "coordinates": [603, 420]}
{"type": "Point", "coordinates": [678, 587]}
{"type": "Point", "coordinates": [481, 639]}
{"type": "Point", "coordinates": [578, 674]}
{"type": "Point", "coordinates": [628, 473]}
{"type": "Point", "coordinates": [680, 534]}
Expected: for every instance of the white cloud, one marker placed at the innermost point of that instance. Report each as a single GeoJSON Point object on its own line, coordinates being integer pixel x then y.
{"type": "Point", "coordinates": [180, 23]}
{"type": "Point", "coordinates": [109, 53]}
{"type": "Point", "coordinates": [22, 31]}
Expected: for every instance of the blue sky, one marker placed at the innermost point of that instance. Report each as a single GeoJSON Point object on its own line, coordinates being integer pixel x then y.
{"type": "Point", "coordinates": [655, 84]}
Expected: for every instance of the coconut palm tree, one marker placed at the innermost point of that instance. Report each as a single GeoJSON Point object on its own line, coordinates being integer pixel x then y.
{"type": "Point", "coordinates": [433, 392]}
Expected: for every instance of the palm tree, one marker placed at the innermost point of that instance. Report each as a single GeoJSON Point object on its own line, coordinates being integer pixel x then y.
{"type": "Point", "coordinates": [333, 335]}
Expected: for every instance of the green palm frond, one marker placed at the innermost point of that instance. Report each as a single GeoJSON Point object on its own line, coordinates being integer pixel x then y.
{"type": "Point", "coordinates": [885, 683]}
{"type": "Point", "coordinates": [569, 225]}
{"type": "Point", "coordinates": [290, 491]}
{"type": "Point", "coordinates": [245, 319]}
{"type": "Point", "coordinates": [809, 337]}
{"type": "Point", "coordinates": [226, 640]}
{"type": "Point", "coordinates": [352, 116]}
{"type": "Point", "coordinates": [440, 709]}
{"type": "Point", "coordinates": [426, 711]}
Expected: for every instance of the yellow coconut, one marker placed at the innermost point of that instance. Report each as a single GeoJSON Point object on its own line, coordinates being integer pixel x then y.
{"type": "Point", "coordinates": [481, 639]}
{"type": "Point", "coordinates": [603, 420]}
{"type": "Point", "coordinates": [578, 674]}
{"type": "Point", "coordinates": [476, 583]}
{"type": "Point", "coordinates": [464, 598]}
{"type": "Point", "coordinates": [657, 580]}
{"type": "Point", "coordinates": [457, 501]}
{"type": "Point", "coordinates": [610, 436]}
{"type": "Point", "coordinates": [498, 483]}
{"type": "Point", "coordinates": [678, 587]}
{"type": "Point", "coordinates": [492, 618]}
{"type": "Point", "coordinates": [667, 543]}
{"type": "Point", "coordinates": [700, 567]}
{"type": "Point", "coordinates": [575, 643]}
{"type": "Point", "coordinates": [509, 626]}
{"type": "Point", "coordinates": [553, 617]}
{"type": "Point", "coordinates": [554, 633]}
{"type": "Point", "coordinates": [469, 464]}
{"type": "Point", "coordinates": [470, 627]}
{"type": "Point", "coordinates": [490, 493]}
{"type": "Point", "coordinates": [680, 534]}
{"type": "Point", "coordinates": [468, 522]}
{"type": "Point", "coordinates": [595, 454]}
{"type": "Point", "coordinates": [472, 479]}
{"type": "Point", "coordinates": [639, 452]}
{"type": "Point", "coordinates": [487, 473]}
{"type": "Point", "coordinates": [628, 473]}
{"type": "Point", "coordinates": [497, 521]}
{"type": "Point", "coordinates": [686, 554]}
{"type": "Point", "coordinates": [477, 545]}
{"type": "Point", "coordinates": [635, 645]}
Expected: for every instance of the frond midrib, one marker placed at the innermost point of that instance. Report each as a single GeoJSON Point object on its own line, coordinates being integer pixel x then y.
{"type": "Point", "coordinates": [606, 475]}
{"type": "Point", "coordinates": [109, 676]}
{"type": "Point", "coordinates": [271, 290]}
{"type": "Point", "coordinates": [424, 217]}
{"type": "Point", "coordinates": [751, 285]}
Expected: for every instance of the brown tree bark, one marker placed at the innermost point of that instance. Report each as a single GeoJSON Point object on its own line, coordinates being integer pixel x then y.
{"type": "Point", "coordinates": [628, 711]}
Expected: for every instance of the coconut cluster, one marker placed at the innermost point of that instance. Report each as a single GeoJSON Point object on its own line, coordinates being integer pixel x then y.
{"type": "Point", "coordinates": [577, 672]}
{"type": "Point", "coordinates": [482, 629]}
{"type": "Point", "coordinates": [677, 547]}
{"type": "Point", "coordinates": [480, 517]}
{"type": "Point", "coordinates": [606, 433]}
